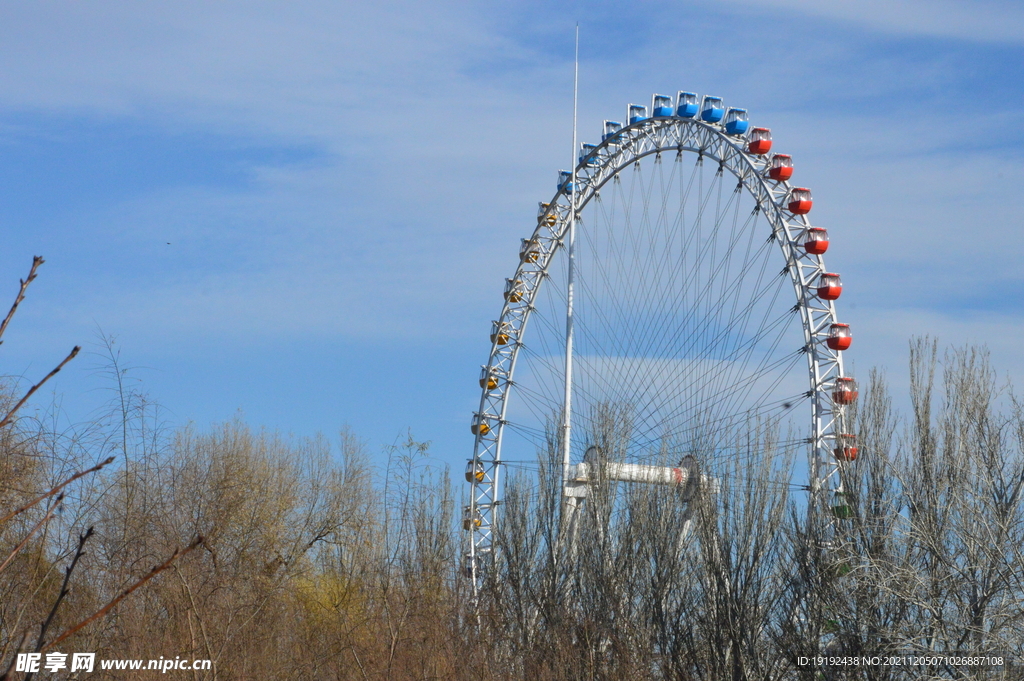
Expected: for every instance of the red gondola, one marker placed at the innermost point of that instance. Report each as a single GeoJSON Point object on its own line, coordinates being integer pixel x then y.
{"type": "Point", "coordinates": [815, 240]}
{"type": "Point", "coordinates": [839, 337]}
{"type": "Point", "coordinates": [846, 447]}
{"type": "Point", "coordinates": [781, 168]}
{"type": "Point", "coordinates": [759, 141]}
{"type": "Point", "coordinates": [845, 390]}
{"type": "Point", "coordinates": [829, 286]}
{"type": "Point", "coordinates": [800, 201]}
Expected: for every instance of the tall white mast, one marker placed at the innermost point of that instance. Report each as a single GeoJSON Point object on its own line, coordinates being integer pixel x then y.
{"type": "Point", "coordinates": [571, 246]}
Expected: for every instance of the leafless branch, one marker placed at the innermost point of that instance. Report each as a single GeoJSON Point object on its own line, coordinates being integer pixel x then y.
{"type": "Point", "coordinates": [36, 262]}
{"type": "Point", "coordinates": [56, 489]}
{"type": "Point", "coordinates": [42, 521]}
{"type": "Point", "coordinates": [10, 665]}
{"type": "Point", "coordinates": [37, 386]}
{"type": "Point", "coordinates": [178, 553]}
{"type": "Point", "coordinates": [79, 552]}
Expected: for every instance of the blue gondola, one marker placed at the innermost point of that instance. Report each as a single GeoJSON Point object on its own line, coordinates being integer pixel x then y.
{"type": "Point", "coordinates": [565, 181]}
{"type": "Point", "coordinates": [713, 109]}
{"type": "Point", "coordinates": [736, 122]}
{"type": "Point", "coordinates": [637, 113]}
{"type": "Point", "coordinates": [611, 132]}
{"type": "Point", "coordinates": [587, 155]}
{"type": "Point", "coordinates": [662, 106]}
{"type": "Point", "coordinates": [686, 104]}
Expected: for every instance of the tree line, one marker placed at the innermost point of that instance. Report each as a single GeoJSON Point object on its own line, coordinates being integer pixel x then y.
{"type": "Point", "coordinates": [311, 558]}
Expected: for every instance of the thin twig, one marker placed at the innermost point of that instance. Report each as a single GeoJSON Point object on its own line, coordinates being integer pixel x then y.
{"type": "Point", "coordinates": [14, 657]}
{"type": "Point", "coordinates": [36, 262]}
{"type": "Point", "coordinates": [56, 489]}
{"type": "Point", "coordinates": [178, 553]}
{"type": "Point", "coordinates": [79, 552]}
{"type": "Point", "coordinates": [362, 669]}
{"type": "Point", "coordinates": [82, 538]}
{"type": "Point", "coordinates": [37, 386]}
{"type": "Point", "coordinates": [42, 521]}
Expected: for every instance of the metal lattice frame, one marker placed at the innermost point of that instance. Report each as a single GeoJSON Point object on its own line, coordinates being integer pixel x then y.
{"type": "Point", "coordinates": [652, 136]}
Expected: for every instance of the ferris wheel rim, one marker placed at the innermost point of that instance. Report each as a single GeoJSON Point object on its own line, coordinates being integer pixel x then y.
{"type": "Point", "coordinates": [616, 154]}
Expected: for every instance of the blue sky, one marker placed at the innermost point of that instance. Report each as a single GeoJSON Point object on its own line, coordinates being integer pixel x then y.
{"type": "Point", "coordinates": [305, 211]}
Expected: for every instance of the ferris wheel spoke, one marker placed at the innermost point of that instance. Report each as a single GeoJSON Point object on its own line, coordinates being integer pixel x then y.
{"type": "Point", "coordinates": [736, 374]}
{"type": "Point", "coordinates": [645, 331]}
{"type": "Point", "coordinates": [549, 392]}
{"type": "Point", "coordinates": [655, 336]}
{"type": "Point", "coordinates": [710, 395]}
{"type": "Point", "coordinates": [682, 382]}
{"type": "Point", "coordinates": [710, 344]}
{"type": "Point", "coordinates": [724, 422]}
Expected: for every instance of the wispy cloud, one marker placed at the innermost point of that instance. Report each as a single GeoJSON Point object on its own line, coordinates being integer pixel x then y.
{"type": "Point", "coordinates": [980, 20]}
{"type": "Point", "coordinates": [340, 173]}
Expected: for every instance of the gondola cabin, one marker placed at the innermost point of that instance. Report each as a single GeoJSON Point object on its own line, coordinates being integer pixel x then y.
{"type": "Point", "coordinates": [545, 216]}
{"type": "Point", "coordinates": [587, 155]}
{"type": "Point", "coordinates": [479, 427]}
{"type": "Point", "coordinates": [471, 519]}
{"type": "Point", "coordinates": [736, 121]}
{"type": "Point", "coordinates": [499, 332]}
{"type": "Point", "coordinates": [611, 132]}
{"type": "Point", "coordinates": [474, 471]}
{"type": "Point", "coordinates": [841, 508]}
{"type": "Point", "coordinates": [514, 290]}
{"type": "Point", "coordinates": [488, 378]}
{"type": "Point", "coordinates": [844, 390]}
{"type": "Point", "coordinates": [839, 337]}
{"type": "Point", "coordinates": [846, 447]}
{"type": "Point", "coordinates": [529, 251]}
{"type": "Point", "coordinates": [686, 104]}
{"type": "Point", "coordinates": [829, 286]}
{"type": "Point", "coordinates": [781, 168]}
{"type": "Point", "coordinates": [565, 181]}
{"type": "Point", "coordinates": [662, 106]}
{"type": "Point", "coordinates": [800, 201]}
{"type": "Point", "coordinates": [815, 240]}
{"type": "Point", "coordinates": [760, 141]}
{"type": "Point", "coordinates": [636, 113]}
{"type": "Point", "coordinates": [712, 110]}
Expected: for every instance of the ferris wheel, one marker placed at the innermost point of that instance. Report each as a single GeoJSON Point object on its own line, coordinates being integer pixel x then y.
{"type": "Point", "coordinates": [675, 287]}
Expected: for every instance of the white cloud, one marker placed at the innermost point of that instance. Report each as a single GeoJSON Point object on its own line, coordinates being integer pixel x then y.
{"type": "Point", "coordinates": [434, 160]}
{"type": "Point", "coordinates": [980, 20]}
{"type": "Point", "coordinates": [323, 71]}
